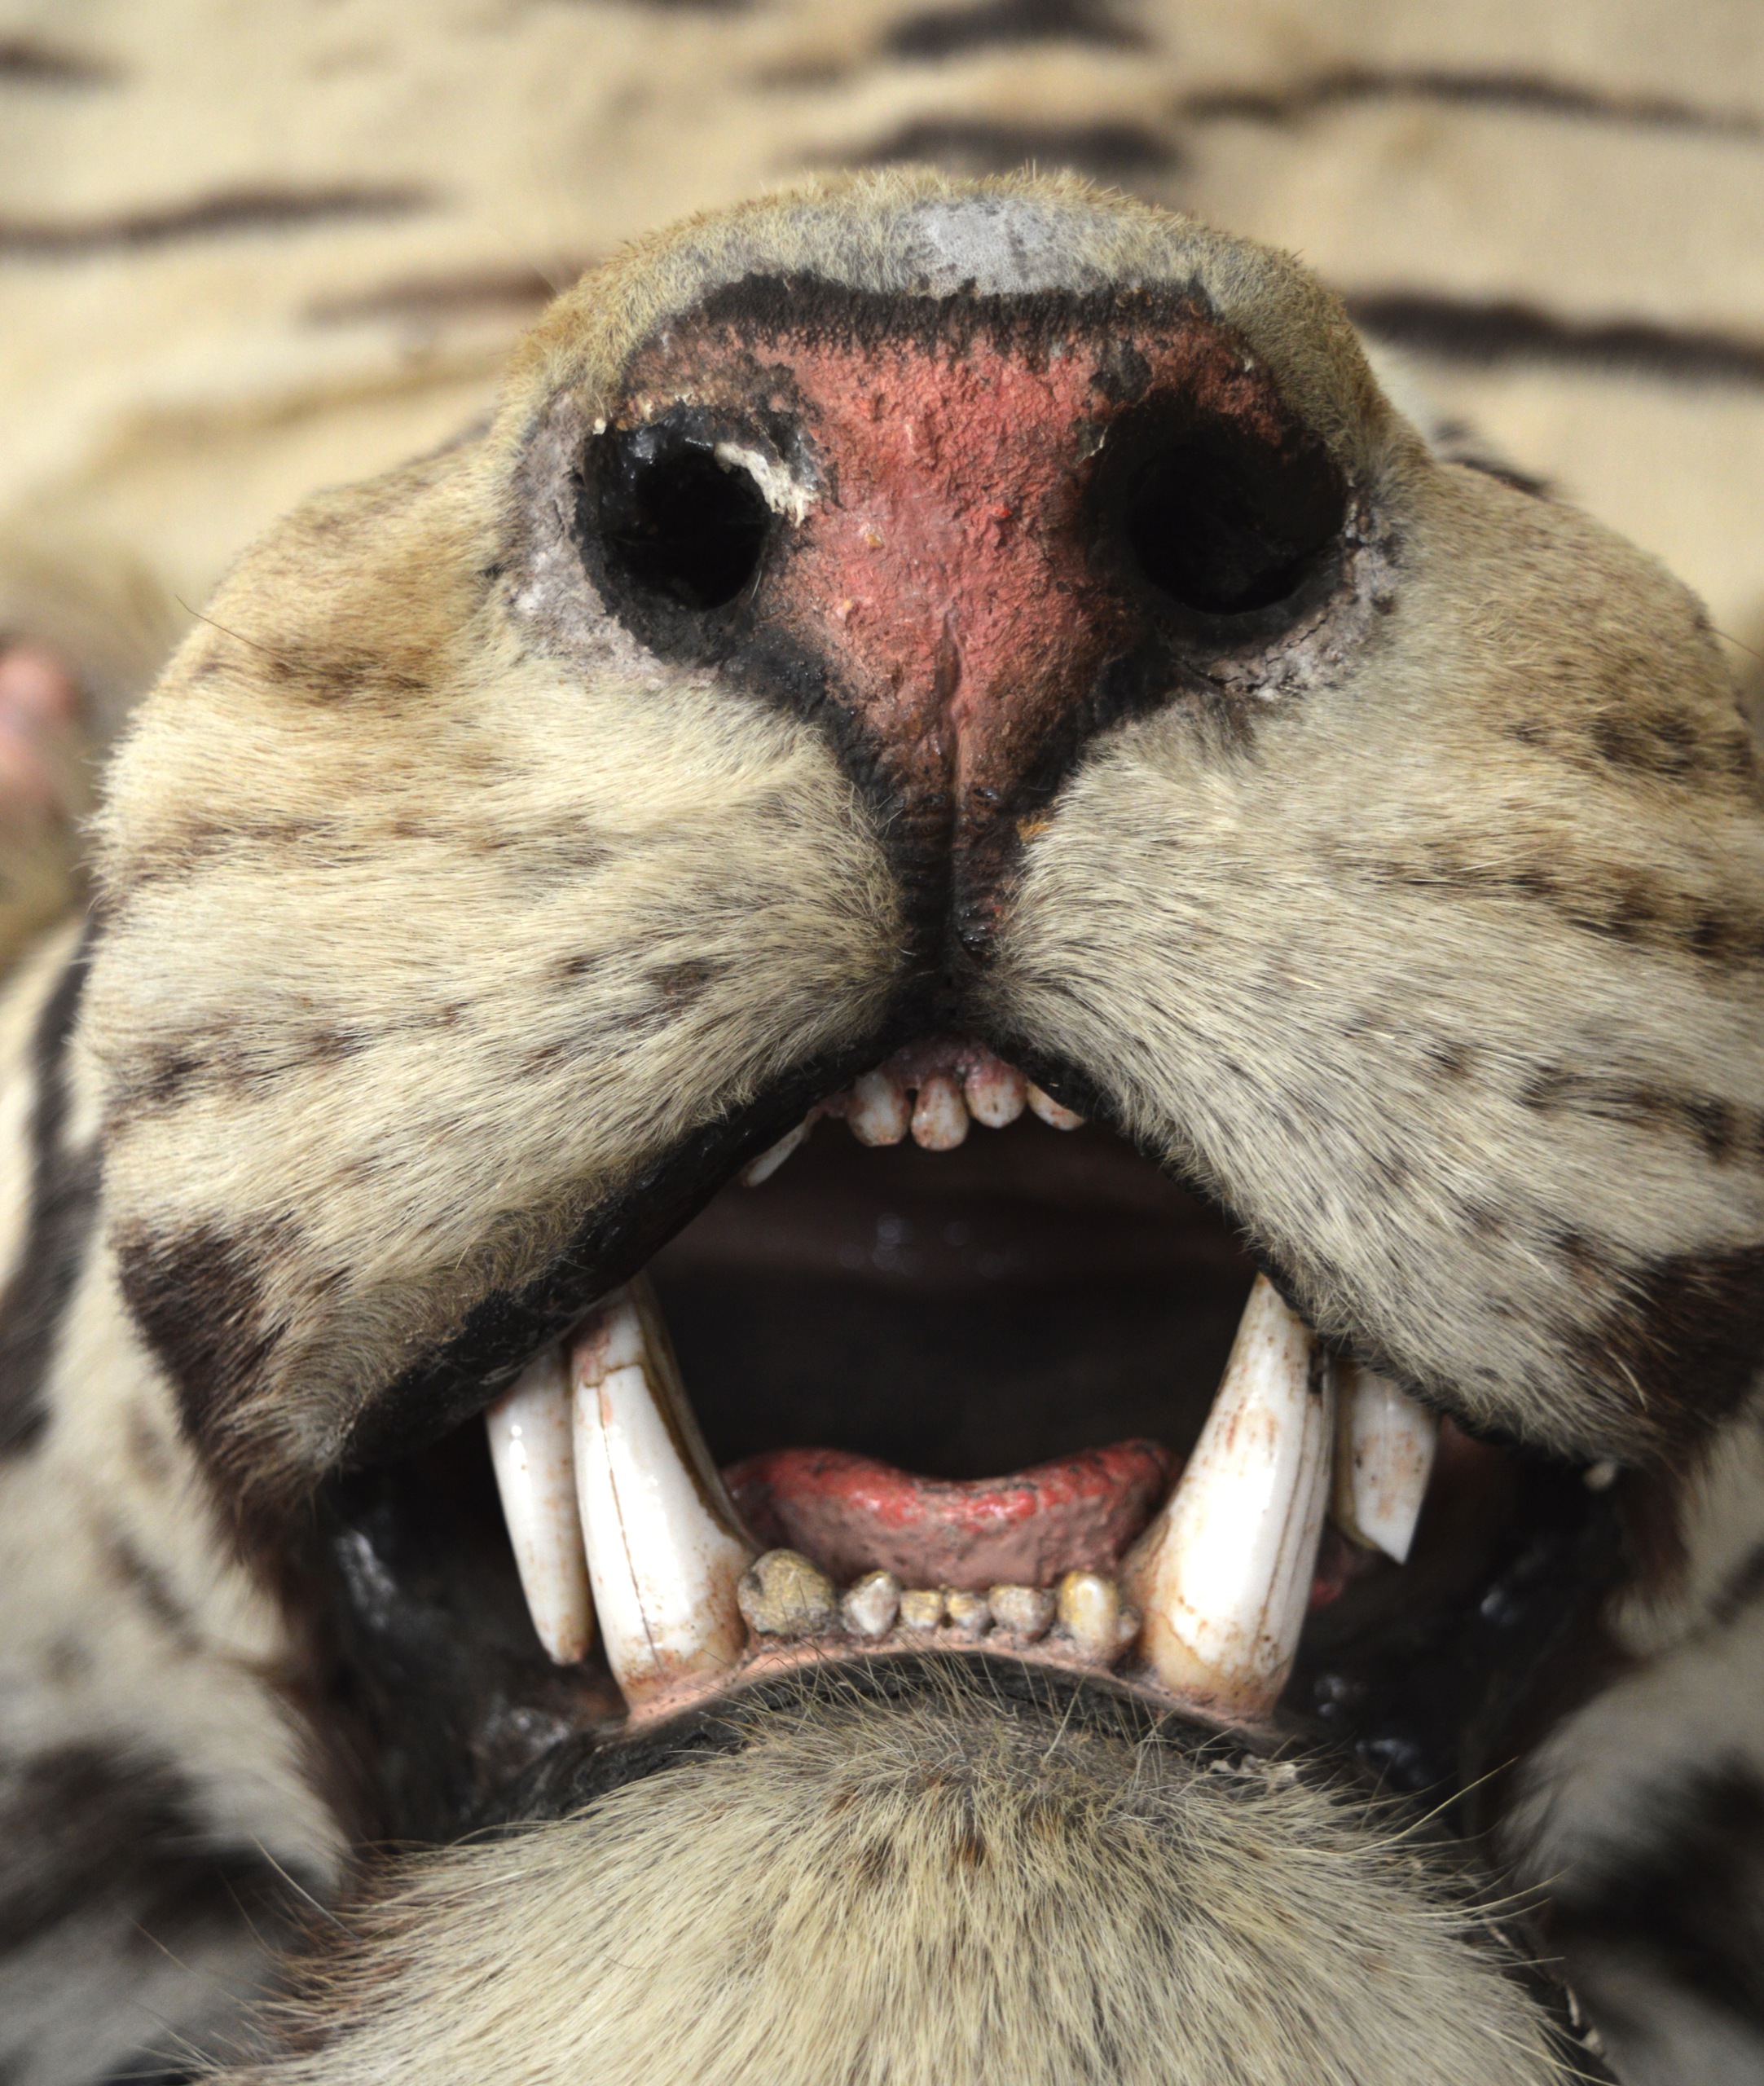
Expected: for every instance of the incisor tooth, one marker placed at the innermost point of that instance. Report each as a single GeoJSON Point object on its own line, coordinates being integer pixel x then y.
{"type": "Point", "coordinates": [996, 1092]}
{"type": "Point", "coordinates": [878, 1112]}
{"type": "Point", "coordinates": [1022, 1611]}
{"type": "Point", "coordinates": [1384, 1445]}
{"type": "Point", "coordinates": [940, 1119]}
{"type": "Point", "coordinates": [1088, 1607]}
{"type": "Point", "coordinates": [869, 1606]}
{"type": "Point", "coordinates": [968, 1612]}
{"type": "Point", "coordinates": [530, 1448]}
{"type": "Point", "coordinates": [666, 1549]}
{"type": "Point", "coordinates": [1050, 1111]}
{"type": "Point", "coordinates": [1224, 1572]}
{"type": "Point", "coordinates": [921, 1607]}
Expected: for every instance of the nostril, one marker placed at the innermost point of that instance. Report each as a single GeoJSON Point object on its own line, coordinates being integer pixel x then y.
{"type": "Point", "coordinates": [676, 523]}
{"type": "Point", "coordinates": [1220, 520]}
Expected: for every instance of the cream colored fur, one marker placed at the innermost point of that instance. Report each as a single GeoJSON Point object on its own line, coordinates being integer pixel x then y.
{"type": "Point", "coordinates": [129, 1632]}
{"type": "Point", "coordinates": [925, 1891]}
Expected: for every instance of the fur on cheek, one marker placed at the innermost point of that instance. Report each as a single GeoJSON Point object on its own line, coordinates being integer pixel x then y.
{"type": "Point", "coordinates": [390, 995]}
{"type": "Point", "coordinates": [1448, 988]}
{"type": "Point", "coordinates": [927, 1890]}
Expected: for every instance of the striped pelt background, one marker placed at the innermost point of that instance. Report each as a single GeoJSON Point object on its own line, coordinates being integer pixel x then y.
{"type": "Point", "coordinates": [248, 249]}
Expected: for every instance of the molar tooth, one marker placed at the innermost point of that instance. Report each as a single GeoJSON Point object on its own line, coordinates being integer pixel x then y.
{"type": "Point", "coordinates": [666, 1549]}
{"type": "Point", "coordinates": [1050, 1111]}
{"type": "Point", "coordinates": [769, 1162]}
{"type": "Point", "coordinates": [1089, 1610]}
{"type": "Point", "coordinates": [782, 1594]}
{"type": "Point", "coordinates": [996, 1092]}
{"type": "Point", "coordinates": [1025, 1612]}
{"type": "Point", "coordinates": [870, 1606]}
{"type": "Point", "coordinates": [1224, 1574]}
{"type": "Point", "coordinates": [1384, 1445]}
{"type": "Point", "coordinates": [940, 1119]}
{"type": "Point", "coordinates": [878, 1112]}
{"type": "Point", "coordinates": [921, 1607]}
{"type": "Point", "coordinates": [530, 1448]}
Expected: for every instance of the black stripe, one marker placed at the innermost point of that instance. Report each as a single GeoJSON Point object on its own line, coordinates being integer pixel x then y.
{"type": "Point", "coordinates": [1110, 151]}
{"type": "Point", "coordinates": [1493, 331]}
{"type": "Point", "coordinates": [1685, 1905]}
{"type": "Point", "coordinates": [111, 1869]}
{"type": "Point", "coordinates": [232, 210]}
{"type": "Point", "coordinates": [1532, 93]}
{"type": "Point", "coordinates": [520, 289]}
{"type": "Point", "coordinates": [944, 32]}
{"type": "Point", "coordinates": [24, 59]}
{"type": "Point", "coordinates": [63, 1206]}
{"type": "Point", "coordinates": [1743, 1585]}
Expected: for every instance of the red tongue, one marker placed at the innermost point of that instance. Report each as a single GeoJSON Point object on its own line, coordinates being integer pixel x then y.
{"type": "Point", "coordinates": [852, 1515]}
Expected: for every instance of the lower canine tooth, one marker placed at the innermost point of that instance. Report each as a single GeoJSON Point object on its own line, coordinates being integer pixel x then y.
{"type": "Point", "coordinates": [782, 1594]}
{"type": "Point", "coordinates": [1384, 1445]}
{"type": "Point", "coordinates": [870, 1605]}
{"type": "Point", "coordinates": [1050, 1111]}
{"type": "Point", "coordinates": [666, 1550]}
{"type": "Point", "coordinates": [878, 1112]}
{"type": "Point", "coordinates": [940, 1119]}
{"type": "Point", "coordinates": [529, 1447]}
{"type": "Point", "coordinates": [1224, 1572]}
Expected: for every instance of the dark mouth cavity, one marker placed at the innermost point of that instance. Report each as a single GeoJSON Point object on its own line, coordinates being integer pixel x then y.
{"type": "Point", "coordinates": [960, 1314]}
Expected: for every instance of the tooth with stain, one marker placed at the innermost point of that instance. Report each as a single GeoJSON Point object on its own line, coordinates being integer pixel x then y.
{"type": "Point", "coordinates": [1051, 1112]}
{"type": "Point", "coordinates": [878, 1112]}
{"type": "Point", "coordinates": [529, 1447]}
{"type": "Point", "coordinates": [1224, 1574]}
{"type": "Point", "coordinates": [940, 1115]}
{"type": "Point", "coordinates": [1384, 1445]}
{"type": "Point", "coordinates": [666, 1550]}
{"type": "Point", "coordinates": [995, 1093]}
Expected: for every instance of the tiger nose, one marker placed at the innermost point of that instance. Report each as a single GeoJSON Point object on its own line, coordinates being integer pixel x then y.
{"type": "Point", "coordinates": [967, 551]}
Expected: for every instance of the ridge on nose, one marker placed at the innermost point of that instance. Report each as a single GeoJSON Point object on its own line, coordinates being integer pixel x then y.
{"type": "Point", "coordinates": [965, 532]}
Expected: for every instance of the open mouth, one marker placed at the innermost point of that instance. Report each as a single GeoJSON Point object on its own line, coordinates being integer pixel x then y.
{"type": "Point", "coordinates": [957, 1371]}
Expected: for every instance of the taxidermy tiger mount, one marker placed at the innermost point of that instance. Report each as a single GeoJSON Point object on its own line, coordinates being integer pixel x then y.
{"type": "Point", "coordinates": [1264, 925]}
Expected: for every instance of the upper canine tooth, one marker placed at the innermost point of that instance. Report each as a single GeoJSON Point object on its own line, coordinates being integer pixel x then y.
{"type": "Point", "coordinates": [878, 1112]}
{"type": "Point", "coordinates": [940, 1119]}
{"type": "Point", "coordinates": [1384, 1445]}
{"type": "Point", "coordinates": [529, 1447]}
{"type": "Point", "coordinates": [666, 1549]}
{"type": "Point", "coordinates": [1224, 1572]}
{"type": "Point", "coordinates": [1050, 1111]}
